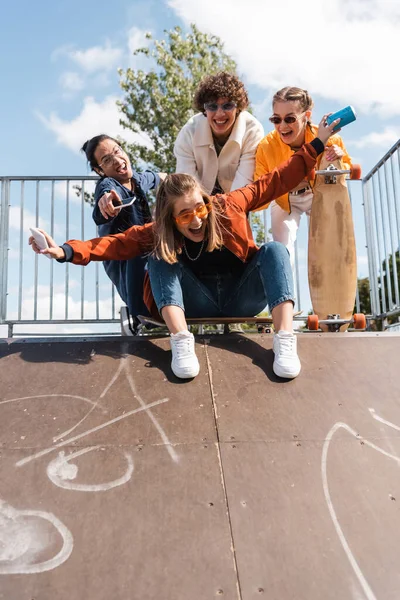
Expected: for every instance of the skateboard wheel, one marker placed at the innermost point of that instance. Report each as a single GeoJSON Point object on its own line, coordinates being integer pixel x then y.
{"type": "Point", "coordinates": [359, 320]}
{"type": "Point", "coordinates": [312, 322]}
{"type": "Point", "coordinates": [355, 172]}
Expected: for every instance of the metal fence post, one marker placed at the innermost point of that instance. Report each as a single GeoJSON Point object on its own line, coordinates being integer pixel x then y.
{"type": "Point", "coordinates": [4, 218]}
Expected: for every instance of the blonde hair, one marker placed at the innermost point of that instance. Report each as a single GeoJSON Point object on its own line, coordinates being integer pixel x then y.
{"type": "Point", "coordinates": [294, 94]}
{"type": "Point", "coordinates": [168, 238]}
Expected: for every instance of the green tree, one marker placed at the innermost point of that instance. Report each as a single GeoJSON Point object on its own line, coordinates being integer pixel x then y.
{"type": "Point", "coordinates": [392, 281]}
{"type": "Point", "coordinates": [158, 102]}
{"type": "Point", "coordinates": [364, 296]}
{"type": "Point", "coordinates": [364, 289]}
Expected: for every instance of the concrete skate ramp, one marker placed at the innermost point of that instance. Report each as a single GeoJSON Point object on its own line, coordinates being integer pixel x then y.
{"type": "Point", "coordinates": [118, 481]}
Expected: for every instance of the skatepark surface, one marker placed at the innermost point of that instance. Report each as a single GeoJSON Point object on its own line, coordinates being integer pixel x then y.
{"type": "Point", "coordinates": [119, 481]}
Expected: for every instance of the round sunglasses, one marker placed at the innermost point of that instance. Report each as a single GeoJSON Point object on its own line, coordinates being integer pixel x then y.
{"type": "Point", "coordinates": [213, 106]}
{"type": "Point", "coordinates": [290, 119]}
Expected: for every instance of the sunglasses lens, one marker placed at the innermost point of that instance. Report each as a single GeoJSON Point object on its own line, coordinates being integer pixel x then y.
{"type": "Point", "coordinates": [277, 120]}
{"type": "Point", "coordinates": [202, 211]}
{"type": "Point", "coordinates": [228, 106]}
{"type": "Point", "coordinates": [213, 106]}
{"type": "Point", "coordinates": [185, 219]}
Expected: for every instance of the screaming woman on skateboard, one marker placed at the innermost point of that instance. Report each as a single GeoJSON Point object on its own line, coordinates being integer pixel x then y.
{"type": "Point", "coordinates": [203, 261]}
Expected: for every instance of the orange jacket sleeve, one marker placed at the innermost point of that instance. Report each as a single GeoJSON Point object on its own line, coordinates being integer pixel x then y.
{"type": "Point", "coordinates": [135, 241]}
{"type": "Point", "coordinates": [279, 181]}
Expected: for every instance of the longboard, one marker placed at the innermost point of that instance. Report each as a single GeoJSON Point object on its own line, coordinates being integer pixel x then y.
{"type": "Point", "coordinates": [260, 321]}
{"type": "Point", "coordinates": [332, 262]}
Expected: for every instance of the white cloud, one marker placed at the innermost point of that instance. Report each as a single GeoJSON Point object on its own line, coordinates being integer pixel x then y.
{"type": "Point", "coordinates": [384, 139]}
{"type": "Point", "coordinates": [74, 305]}
{"type": "Point", "coordinates": [60, 189]}
{"type": "Point", "coordinates": [137, 39]}
{"type": "Point", "coordinates": [97, 58]}
{"type": "Point", "coordinates": [94, 118]}
{"type": "Point", "coordinates": [342, 50]}
{"type": "Point", "coordinates": [71, 81]}
{"type": "Point", "coordinates": [29, 220]}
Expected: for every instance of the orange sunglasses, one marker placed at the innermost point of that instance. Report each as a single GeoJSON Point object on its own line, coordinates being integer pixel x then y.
{"type": "Point", "coordinates": [187, 217]}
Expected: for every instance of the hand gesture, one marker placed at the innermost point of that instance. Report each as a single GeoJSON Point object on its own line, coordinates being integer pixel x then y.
{"type": "Point", "coordinates": [53, 251]}
{"type": "Point", "coordinates": [324, 130]}
{"type": "Point", "coordinates": [109, 204]}
{"type": "Point", "coordinates": [333, 152]}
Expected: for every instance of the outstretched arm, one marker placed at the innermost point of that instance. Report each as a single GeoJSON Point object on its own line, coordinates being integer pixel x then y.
{"type": "Point", "coordinates": [284, 178]}
{"type": "Point", "coordinates": [135, 241]}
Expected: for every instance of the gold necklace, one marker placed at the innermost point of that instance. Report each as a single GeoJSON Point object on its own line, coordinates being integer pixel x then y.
{"type": "Point", "coordinates": [187, 253]}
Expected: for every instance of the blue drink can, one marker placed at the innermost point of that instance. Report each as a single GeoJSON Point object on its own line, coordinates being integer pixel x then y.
{"type": "Point", "coordinates": [346, 115]}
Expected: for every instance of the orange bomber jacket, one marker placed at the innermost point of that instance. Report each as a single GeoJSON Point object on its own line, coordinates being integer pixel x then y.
{"type": "Point", "coordinates": [235, 206]}
{"type": "Point", "coordinates": [272, 152]}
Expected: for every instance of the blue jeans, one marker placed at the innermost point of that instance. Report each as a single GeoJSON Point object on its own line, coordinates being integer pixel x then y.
{"type": "Point", "coordinates": [267, 279]}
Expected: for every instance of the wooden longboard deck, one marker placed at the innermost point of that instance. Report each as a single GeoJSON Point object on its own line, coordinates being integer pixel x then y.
{"type": "Point", "coordinates": [332, 268]}
{"type": "Point", "coordinates": [216, 320]}
{"type": "Point", "coordinates": [212, 320]}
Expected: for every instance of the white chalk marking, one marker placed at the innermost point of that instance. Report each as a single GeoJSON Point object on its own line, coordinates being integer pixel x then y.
{"type": "Point", "coordinates": [364, 584]}
{"type": "Point", "coordinates": [22, 540]}
{"type": "Point", "coordinates": [378, 418]}
{"type": "Point", "coordinates": [95, 404]}
{"type": "Point", "coordinates": [60, 471]}
{"type": "Point", "coordinates": [49, 396]}
{"type": "Point", "coordinates": [28, 459]}
{"type": "Point", "coordinates": [153, 419]}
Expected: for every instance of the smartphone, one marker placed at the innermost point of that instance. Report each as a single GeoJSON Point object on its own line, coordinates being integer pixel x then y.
{"type": "Point", "coordinates": [346, 115]}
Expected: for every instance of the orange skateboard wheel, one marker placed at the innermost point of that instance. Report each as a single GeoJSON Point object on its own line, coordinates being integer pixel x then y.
{"type": "Point", "coordinates": [312, 322]}
{"type": "Point", "coordinates": [355, 172]}
{"type": "Point", "coordinates": [359, 320]}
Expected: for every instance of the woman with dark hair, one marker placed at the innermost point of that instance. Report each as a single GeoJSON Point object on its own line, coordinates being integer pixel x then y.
{"type": "Point", "coordinates": [218, 145]}
{"type": "Point", "coordinates": [204, 261]}
{"type": "Point", "coordinates": [120, 202]}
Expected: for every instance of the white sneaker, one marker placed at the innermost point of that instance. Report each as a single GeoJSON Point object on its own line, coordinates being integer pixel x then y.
{"type": "Point", "coordinates": [286, 362]}
{"type": "Point", "coordinates": [184, 360]}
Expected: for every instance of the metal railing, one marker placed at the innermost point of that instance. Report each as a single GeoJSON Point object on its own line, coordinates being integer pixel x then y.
{"type": "Point", "coordinates": [37, 294]}
{"type": "Point", "coordinates": [381, 193]}
{"type": "Point", "coordinates": [36, 291]}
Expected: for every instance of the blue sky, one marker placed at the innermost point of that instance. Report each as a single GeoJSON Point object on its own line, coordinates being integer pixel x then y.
{"type": "Point", "coordinates": [59, 65]}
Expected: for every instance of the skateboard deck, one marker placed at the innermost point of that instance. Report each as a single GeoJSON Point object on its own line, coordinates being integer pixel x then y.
{"type": "Point", "coordinates": [216, 320]}
{"type": "Point", "coordinates": [332, 263]}
{"type": "Point", "coordinates": [213, 320]}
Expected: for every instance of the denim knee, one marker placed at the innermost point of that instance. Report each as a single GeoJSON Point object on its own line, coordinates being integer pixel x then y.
{"type": "Point", "coordinates": [273, 251]}
{"type": "Point", "coordinates": [165, 281]}
{"type": "Point", "coordinates": [273, 260]}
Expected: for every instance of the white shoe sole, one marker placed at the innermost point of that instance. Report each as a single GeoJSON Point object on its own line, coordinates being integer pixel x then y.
{"type": "Point", "coordinates": [186, 374]}
{"type": "Point", "coordinates": [281, 372]}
